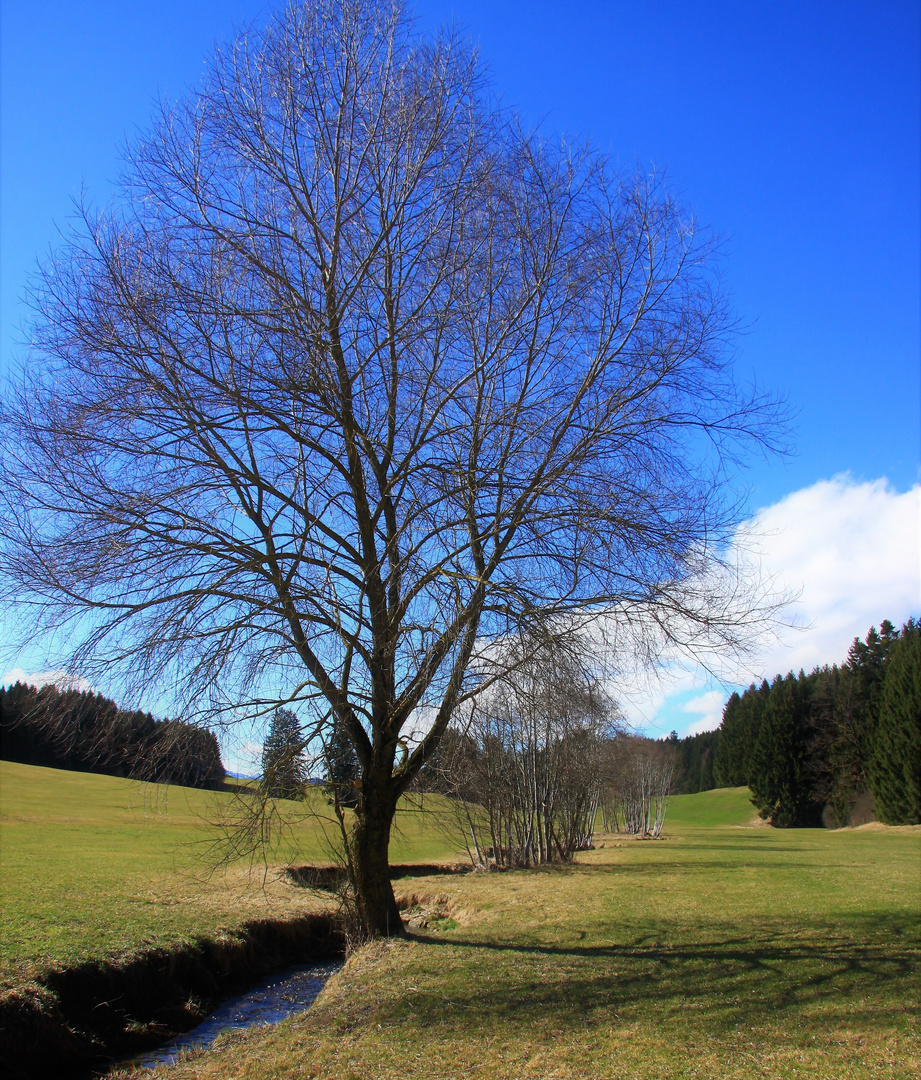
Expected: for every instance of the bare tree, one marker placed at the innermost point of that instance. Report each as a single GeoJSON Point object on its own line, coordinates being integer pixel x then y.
{"type": "Point", "coordinates": [525, 766]}
{"type": "Point", "coordinates": [360, 374]}
{"type": "Point", "coordinates": [637, 781]}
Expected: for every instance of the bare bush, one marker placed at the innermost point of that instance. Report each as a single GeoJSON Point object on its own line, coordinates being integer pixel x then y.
{"type": "Point", "coordinates": [637, 781]}
{"type": "Point", "coordinates": [526, 768]}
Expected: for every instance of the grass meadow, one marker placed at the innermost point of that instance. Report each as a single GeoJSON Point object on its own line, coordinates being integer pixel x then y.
{"type": "Point", "coordinates": [97, 867]}
{"type": "Point", "coordinates": [727, 949]}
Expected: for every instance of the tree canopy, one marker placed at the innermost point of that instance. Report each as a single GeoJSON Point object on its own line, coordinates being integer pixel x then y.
{"type": "Point", "coordinates": [358, 376]}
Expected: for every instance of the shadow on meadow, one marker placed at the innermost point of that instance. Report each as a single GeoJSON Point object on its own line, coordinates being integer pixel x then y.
{"type": "Point", "coordinates": [801, 976]}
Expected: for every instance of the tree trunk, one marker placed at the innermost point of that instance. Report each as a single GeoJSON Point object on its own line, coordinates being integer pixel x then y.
{"type": "Point", "coordinates": [369, 843]}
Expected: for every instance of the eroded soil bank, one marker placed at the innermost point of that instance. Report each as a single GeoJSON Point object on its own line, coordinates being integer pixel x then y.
{"type": "Point", "coordinates": [331, 878]}
{"type": "Point", "coordinates": [72, 1022]}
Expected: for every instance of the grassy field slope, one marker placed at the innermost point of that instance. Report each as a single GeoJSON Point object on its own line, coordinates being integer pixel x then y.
{"type": "Point", "coordinates": [725, 806]}
{"type": "Point", "coordinates": [95, 866]}
{"type": "Point", "coordinates": [723, 951]}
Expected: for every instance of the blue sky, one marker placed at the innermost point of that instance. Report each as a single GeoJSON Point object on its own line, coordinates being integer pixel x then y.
{"type": "Point", "coordinates": [791, 129]}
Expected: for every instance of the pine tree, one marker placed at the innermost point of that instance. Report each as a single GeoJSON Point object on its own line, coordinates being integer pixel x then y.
{"type": "Point", "coordinates": [845, 714]}
{"type": "Point", "coordinates": [727, 766]}
{"type": "Point", "coordinates": [284, 771]}
{"type": "Point", "coordinates": [835, 750]}
{"type": "Point", "coordinates": [868, 660]}
{"type": "Point", "coordinates": [779, 768]}
{"type": "Point", "coordinates": [895, 770]}
{"type": "Point", "coordinates": [341, 766]}
{"type": "Point", "coordinates": [739, 735]}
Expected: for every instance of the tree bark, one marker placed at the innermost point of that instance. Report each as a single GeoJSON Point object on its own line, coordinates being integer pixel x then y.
{"type": "Point", "coordinates": [369, 862]}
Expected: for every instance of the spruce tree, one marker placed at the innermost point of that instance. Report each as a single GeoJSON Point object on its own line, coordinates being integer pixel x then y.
{"type": "Point", "coordinates": [727, 766]}
{"type": "Point", "coordinates": [284, 771]}
{"type": "Point", "coordinates": [342, 768]}
{"type": "Point", "coordinates": [895, 771]}
{"type": "Point", "coordinates": [779, 767]}
{"type": "Point", "coordinates": [836, 757]}
{"type": "Point", "coordinates": [738, 737]}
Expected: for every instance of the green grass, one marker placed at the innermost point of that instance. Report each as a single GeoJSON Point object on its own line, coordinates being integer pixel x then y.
{"type": "Point", "coordinates": [96, 867]}
{"type": "Point", "coordinates": [721, 951]}
{"type": "Point", "coordinates": [724, 950]}
{"type": "Point", "coordinates": [725, 806]}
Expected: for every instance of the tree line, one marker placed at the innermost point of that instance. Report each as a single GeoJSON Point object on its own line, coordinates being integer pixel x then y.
{"type": "Point", "coordinates": [693, 756]}
{"type": "Point", "coordinates": [84, 731]}
{"type": "Point", "coordinates": [818, 748]}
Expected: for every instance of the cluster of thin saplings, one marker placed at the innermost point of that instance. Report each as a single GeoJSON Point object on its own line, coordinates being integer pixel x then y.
{"type": "Point", "coordinates": [537, 760]}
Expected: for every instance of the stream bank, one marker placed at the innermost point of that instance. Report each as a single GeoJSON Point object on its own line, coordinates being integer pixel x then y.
{"type": "Point", "coordinates": [72, 1022]}
{"type": "Point", "coordinates": [288, 993]}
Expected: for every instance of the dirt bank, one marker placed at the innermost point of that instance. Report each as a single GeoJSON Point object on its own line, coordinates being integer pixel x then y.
{"type": "Point", "coordinates": [70, 1022]}
{"type": "Point", "coordinates": [330, 878]}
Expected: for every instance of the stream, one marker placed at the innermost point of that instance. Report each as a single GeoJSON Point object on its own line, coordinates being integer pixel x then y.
{"type": "Point", "coordinates": [275, 998]}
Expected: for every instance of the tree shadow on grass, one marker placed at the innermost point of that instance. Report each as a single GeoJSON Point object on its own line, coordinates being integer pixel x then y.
{"type": "Point", "coordinates": [804, 976]}
{"type": "Point", "coordinates": [691, 869]}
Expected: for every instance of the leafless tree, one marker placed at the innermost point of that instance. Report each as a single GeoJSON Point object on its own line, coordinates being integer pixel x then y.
{"type": "Point", "coordinates": [524, 768]}
{"type": "Point", "coordinates": [358, 376]}
{"type": "Point", "coordinates": [637, 781]}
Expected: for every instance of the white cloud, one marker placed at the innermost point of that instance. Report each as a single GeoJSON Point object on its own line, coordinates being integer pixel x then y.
{"type": "Point", "coordinates": [851, 553]}
{"type": "Point", "coordinates": [852, 550]}
{"type": "Point", "coordinates": [61, 679]}
{"type": "Point", "coordinates": [707, 708]}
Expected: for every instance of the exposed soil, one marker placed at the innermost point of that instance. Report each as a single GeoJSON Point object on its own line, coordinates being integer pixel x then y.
{"type": "Point", "coordinates": [332, 878]}
{"type": "Point", "coordinates": [873, 826]}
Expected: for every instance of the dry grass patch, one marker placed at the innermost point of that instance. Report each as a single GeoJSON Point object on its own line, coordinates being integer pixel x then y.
{"type": "Point", "coordinates": [718, 953]}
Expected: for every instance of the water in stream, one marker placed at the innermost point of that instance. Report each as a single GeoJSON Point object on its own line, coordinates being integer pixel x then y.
{"type": "Point", "coordinates": [291, 992]}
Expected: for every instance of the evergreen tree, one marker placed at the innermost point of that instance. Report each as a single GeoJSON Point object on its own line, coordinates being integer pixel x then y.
{"type": "Point", "coordinates": [342, 768]}
{"type": "Point", "coordinates": [728, 767]}
{"type": "Point", "coordinates": [867, 661]}
{"type": "Point", "coordinates": [284, 771]}
{"type": "Point", "coordinates": [693, 757]}
{"type": "Point", "coordinates": [895, 770]}
{"type": "Point", "coordinates": [705, 780]}
{"type": "Point", "coordinates": [844, 716]}
{"type": "Point", "coordinates": [739, 731]}
{"type": "Point", "coordinates": [840, 744]}
{"type": "Point", "coordinates": [779, 778]}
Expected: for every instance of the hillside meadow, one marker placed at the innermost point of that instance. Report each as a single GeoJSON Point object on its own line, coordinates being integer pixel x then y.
{"type": "Point", "coordinates": [96, 867]}
{"type": "Point", "coordinates": [726, 949]}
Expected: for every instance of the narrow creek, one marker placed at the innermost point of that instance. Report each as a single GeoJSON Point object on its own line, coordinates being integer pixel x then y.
{"type": "Point", "coordinates": [277, 997]}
